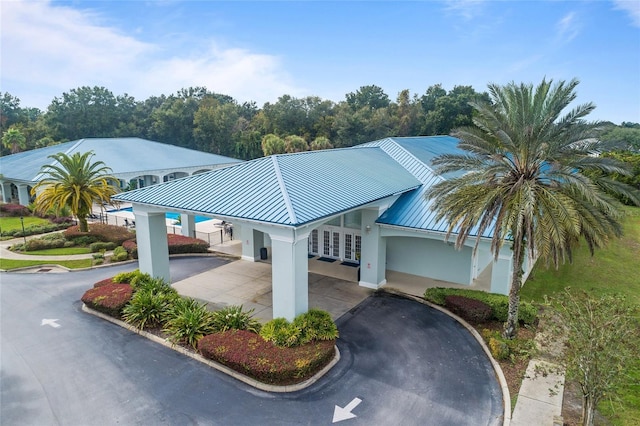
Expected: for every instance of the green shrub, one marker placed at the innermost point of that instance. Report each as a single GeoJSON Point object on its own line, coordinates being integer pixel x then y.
{"type": "Point", "coordinates": [499, 303]}
{"type": "Point", "coordinates": [102, 232]}
{"type": "Point", "coordinates": [45, 242]}
{"type": "Point", "coordinates": [188, 321]}
{"type": "Point", "coordinates": [119, 254]}
{"type": "Point", "coordinates": [281, 332]}
{"type": "Point", "coordinates": [499, 349]}
{"type": "Point", "coordinates": [234, 318]}
{"type": "Point", "coordinates": [127, 277]}
{"type": "Point", "coordinates": [100, 245]}
{"type": "Point", "coordinates": [109, 299]}
{"type": "Point", "coordinates": [316, 324]}
{"type": "Point", "coordinates": [312, 325]}
{"type": "Point", "coordinates": [83, 240]}
{"type": "Point", "coordinates": [148, 308]}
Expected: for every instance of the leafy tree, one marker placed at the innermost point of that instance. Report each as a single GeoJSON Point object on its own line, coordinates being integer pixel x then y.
{"type": "Point", "coordinates": [372, 97]}
{"type": "Point", "coordinates": [10, 111]}
{"type": "Point", "coordinates": [75, 182]}
{"type": "Point", "coordinates": [601, 340]}
{"type": "Point", "coordinates": [628, 137]}
{"type": "Point", "coordinates": [526, 180]}
{"type": "Point", "coordinates": [272, 144]}
{"type": "Point", "coordinates": [320, 143]}
{"type": "Point", "coordinates": [214, 124]}
{"type": "Point", "coordinates": [14, 140]}
{"type": "Point", "coordinates": [446, 112]}
{"type": "Point", "coordinates": [85, 112]}
{"type": "Point", "coordinates": [406, 113]}
{"type": "Point", "coordinates": [293, 143]}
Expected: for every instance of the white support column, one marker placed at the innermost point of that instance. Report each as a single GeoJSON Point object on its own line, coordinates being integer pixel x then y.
{"type": "Point", "coordinates": [153, 249]}
{"type": "Point", "coordinates": [289, 276]}
{"type": "Point", "coordinates": [188, 224]}
{"type": "Point", "coordinates": [6, 192]}
{"type": "Point", "coordinates": [23, 194]}
{"type": "Point", "coordinates": [252, 242]}
{"type": "Point", "coordinates": [373, 257]}
{"type": "Point", "coordinates": [501, 274]}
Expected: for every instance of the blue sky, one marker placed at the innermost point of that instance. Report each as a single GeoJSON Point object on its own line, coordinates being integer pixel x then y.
{"type": "Point", "coordinates": [258, 51]}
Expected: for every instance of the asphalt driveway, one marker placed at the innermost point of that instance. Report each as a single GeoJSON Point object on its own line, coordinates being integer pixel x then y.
{"type": "Point", "coordinates": [402, 364]}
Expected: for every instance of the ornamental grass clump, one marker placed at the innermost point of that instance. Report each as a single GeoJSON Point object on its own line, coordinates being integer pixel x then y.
{"type": "Point", "coordinates": [149, 307]}
{"type": "Point", "coordinates": [188, 321]}
{"type": "Point", "coordinates": [234, 318]}
{"type": "Point", "coordinates": [311, 326]}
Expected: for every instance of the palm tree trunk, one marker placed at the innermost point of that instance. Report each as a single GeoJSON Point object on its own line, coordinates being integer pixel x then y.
{"type": "Point", "coordinates": [588, 410]}
{"type": "Point", "coordinates": [511, 326]}
{"type": "Point", "coordinates": [83, 225]}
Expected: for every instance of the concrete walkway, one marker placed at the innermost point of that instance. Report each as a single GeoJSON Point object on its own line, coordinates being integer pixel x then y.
{"type": "Point", "coordinates": [249, 284]}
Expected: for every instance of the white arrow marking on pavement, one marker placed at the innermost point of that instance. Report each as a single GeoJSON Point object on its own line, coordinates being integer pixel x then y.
{"type": "Point", "coordinates": [340, 414]}
{"type": "Point", "coordinates": [51, 322]}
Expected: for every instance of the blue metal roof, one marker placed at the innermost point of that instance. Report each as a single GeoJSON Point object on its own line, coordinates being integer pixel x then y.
{"type": "Point", "coordinates": [122, 155]}
{"type": "Point", "coordinates": [287, 189]}
{"type": "Point", "coordinates": [413, 209]}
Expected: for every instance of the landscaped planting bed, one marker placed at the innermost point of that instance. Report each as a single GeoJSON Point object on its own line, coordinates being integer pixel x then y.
{"type": "Point", "coordinates": [278, 353]}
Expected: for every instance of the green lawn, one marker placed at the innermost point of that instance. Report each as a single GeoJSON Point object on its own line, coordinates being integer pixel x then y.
{"type": "Point", "coordinates": [614, 269]}
{"type": "Point", "coordinates": [13, 223]}
{"type": "Point", "coordinates": [64, 251]}
{"type": "Point", "coordinates": [8, 264]}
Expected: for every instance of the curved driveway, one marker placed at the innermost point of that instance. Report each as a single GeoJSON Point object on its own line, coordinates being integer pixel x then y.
{"type": "Point", "coordinates": [402, 364]}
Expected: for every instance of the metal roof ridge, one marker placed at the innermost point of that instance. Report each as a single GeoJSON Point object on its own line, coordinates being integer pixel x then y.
{"type": "Point", "coordinates": [283, 190]}
{"type": "Point", "coordinates": [407, 152]}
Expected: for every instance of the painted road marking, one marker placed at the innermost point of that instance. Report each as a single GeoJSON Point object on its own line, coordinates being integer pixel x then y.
{"type": "Point", "coordinates": [340, 414]}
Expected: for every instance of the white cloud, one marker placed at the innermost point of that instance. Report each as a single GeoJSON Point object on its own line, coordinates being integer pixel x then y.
{"type": "Point", "coordinates": [568, 28]}
{"type": "Point", "coordinates": [468, 9]}
{"type": "Point", "coordinates": [631, 7]}
{"type": "Point", "coordinates": [48, 50]}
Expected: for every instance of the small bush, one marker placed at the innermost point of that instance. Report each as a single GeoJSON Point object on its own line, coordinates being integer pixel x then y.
{"type": "Point", "coordinates": [234, 318]}
{"type": "Point", "coordinates": [251, 355]}
{"type": "Point", "coordinates": [45, 242]}
{"type": "Point", "coordinates": [105, 282]}
{"type": "Point", "coordinates": [499, 303]}
{"type": "Point", "coordinates": [119, 254]}
{"type": "Point", "coordinates": [499, 349]}
{"type": "Point", "coordinates": [83, 240]}
{"type": "Point", "coordinates": [316, 324]}
{"type": "Point", "coordinates": [109, 299]}
{"type": "Point", "coordinates": [148, 308]}
{"type": "Point", "coordinates": [14, 210]}
{"type": "Point", "coordinates": [100, 246]}
{"type": "Point", "coordinates": [178, 244]}
{"type": "Point", "coordinates": [102, 232]}
{"type": "Point", "coordinates": [131, 247]}
{"type": "Point", "coordinates": [313, 325]}
{"type": "Point", "coordinates": [469, 309]}
{"type": "Point", "coordinates": [281, 332]}
{"type": "Point", "coordinates": [188, 321]}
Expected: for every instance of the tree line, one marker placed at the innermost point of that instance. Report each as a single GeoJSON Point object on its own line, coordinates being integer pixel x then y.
{"type": "Point", "coordinates": [197, 118]}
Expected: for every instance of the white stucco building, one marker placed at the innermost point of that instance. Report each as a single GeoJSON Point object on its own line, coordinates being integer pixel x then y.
{"type": "Point", "coordinates": [364, 203]}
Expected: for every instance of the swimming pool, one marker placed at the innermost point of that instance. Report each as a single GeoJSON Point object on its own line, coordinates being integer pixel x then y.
{"type": "Point", "coordinates": [170, 215]}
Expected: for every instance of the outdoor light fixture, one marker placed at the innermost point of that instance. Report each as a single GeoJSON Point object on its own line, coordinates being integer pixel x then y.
{"type": "Point", "coordinates": [367, 228]}
{"type": "Point", "coordinates": [23, 233]}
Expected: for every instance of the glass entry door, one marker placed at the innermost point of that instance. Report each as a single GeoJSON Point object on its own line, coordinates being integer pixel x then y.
{"type": "Point", "coordinates": [352, 246]}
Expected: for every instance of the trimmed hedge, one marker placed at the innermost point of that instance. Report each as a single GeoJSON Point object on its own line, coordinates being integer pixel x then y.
{"type": "Point", "coordinates": [250, 354]}
{"type": "Point", "coordinates": [101, 232]}
{"type": "Point", "coordinates": [14, 210]}
{"type": "Point", "coordinates": [101, 245]}
{"type": "Point", "coordinates": [499, 303]}
{"type": "Point", "coordinates": [178, 244]}
{"type": "Point", "coordinates": [471, 310]}
{"type": "Point", "coordinates": [109, 299]}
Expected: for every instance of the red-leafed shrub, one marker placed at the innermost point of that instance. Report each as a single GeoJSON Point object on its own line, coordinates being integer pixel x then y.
{"type": "Point", "coordinates": [101, 232]}
{"type": "Point", "coordinates": [178, 244]}
{"type": "Point", "coordinates": [14, 210]}
{"type": "Point", "coordinates": [108, 298]}
{"type": "Point", "coordinates": [470, 309]}
{"type": "Point", "coordinates": [250, 354]}
{"type": "Point", "coordinates": [105, 282]}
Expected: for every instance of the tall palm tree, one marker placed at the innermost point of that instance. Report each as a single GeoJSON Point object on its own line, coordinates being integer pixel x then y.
{"type": "Point", "coordinates": [532, 179]}
{"type": "Point", "coordinates": [76, 182]}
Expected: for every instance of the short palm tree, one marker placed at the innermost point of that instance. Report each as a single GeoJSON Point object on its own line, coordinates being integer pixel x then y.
{"type": "Point", "coordinates": [75, 182]}
{"type": "Point", "coordinates": [532, 178]}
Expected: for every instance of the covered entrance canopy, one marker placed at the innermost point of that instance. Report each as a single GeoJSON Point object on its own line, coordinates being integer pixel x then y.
{"type": "Point", "coordinates": [280, 200]}
{"type": "Point", "coordinates": [362, 204]}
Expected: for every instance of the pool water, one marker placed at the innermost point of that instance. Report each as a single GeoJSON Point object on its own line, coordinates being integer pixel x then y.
{"type": "Point", "coordinates": [170, 215]}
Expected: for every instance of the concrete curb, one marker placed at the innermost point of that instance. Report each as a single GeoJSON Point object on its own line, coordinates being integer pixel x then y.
{"type": "Point", "coordinates": [245, 379]}
{"type": "Point", "coordinates": [506, 396]}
